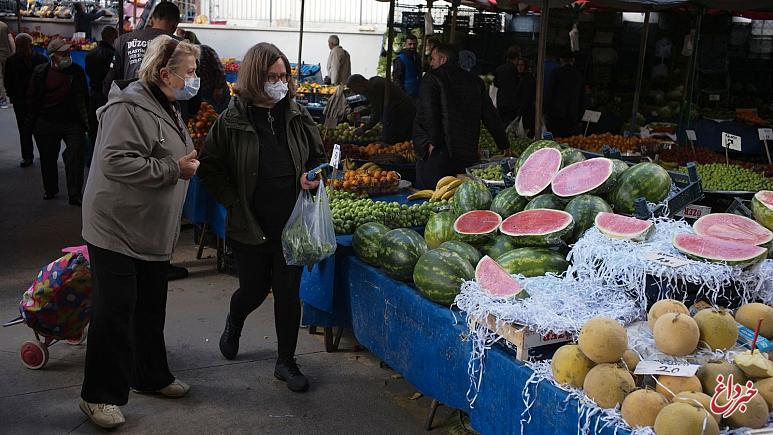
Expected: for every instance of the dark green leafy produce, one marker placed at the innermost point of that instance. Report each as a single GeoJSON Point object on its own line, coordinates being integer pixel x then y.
{"type": "Point", "coordinates": [302, 248]}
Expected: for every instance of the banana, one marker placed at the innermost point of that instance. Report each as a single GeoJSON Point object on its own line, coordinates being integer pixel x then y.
{"type": "Point", "coordinates": [454, 184]}
{"type": "Point", "coordinates": [367, 166]}
{"type": "Point", "coordinates": [449, 194]}
{"type": "Point", "coordinates": [422, 194]}
{"type": "Point", "coordinates": [438, 194]}
{"type": "Point", "coordinates": [445, 180]}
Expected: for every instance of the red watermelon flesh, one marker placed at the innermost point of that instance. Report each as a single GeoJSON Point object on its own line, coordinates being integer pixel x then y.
{"type": "Point", "coordinates": [718, 250]}
{"type": "Point", "coordinates": [765, 197]}
{"type": "Point", "coordinates": [477, 222]}
{"type": "Point", "coordinates": [496, 281]}
{"type": "Point", "coordinates": [537, 221]}
{"type": "Point", "coordinates": [622, 227]}
{"type": "Point", "coordinates": [587, 176]}
{"type": "Point", "coordinates": [537, 172]}
{"type": "Point", "coordinates": [733, 227]}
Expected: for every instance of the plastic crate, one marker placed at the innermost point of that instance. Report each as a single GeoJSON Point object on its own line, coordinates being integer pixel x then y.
{"type": "Point", "coordinates": [741, 206]}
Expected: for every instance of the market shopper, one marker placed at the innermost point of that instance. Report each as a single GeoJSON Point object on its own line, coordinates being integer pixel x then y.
{"type": "Point", "coordinates": [254, 162]}
{"type": "Point", "coordinates": [506, 81]}
{"type": "Point", "coordinates": [451, 106]}
{"type": "Point", "coordinates": [84, 19]}
{"type": "Point", "coordinates": [57, 103]}
{"type": "Point", "coordinates": [131, 221]}
{"type": "Point", "coordinates": [97, 66]}
{"type": "Point", "coordinates": [564, 98]}
{"type": "Point", "coordinates": [517, 95]}
{"type": "Point", "coordinates": [6, 50]}
{"type": "Point", "coordinates": [17, 74]}
{"type": "Point", "coordinates": [214, 88]}
{"type": "Point", "coordinates": [339, 65]}
{"type": "Point", "coordinates": [398, 117]}
{"type": "Point", "coordinates": [406, 68]}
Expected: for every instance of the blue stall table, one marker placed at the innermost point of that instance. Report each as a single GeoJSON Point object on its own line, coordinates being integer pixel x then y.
{"type": "Point", "coordinates": [201, 208]}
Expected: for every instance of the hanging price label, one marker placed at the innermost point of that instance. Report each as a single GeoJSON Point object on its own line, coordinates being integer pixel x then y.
{"type": "Point", "coordinates": [670, 368]}
{"type": "Point", "coordinates": [766, 133]}
{"type": "Point", "coordinates": [714, 97]}
{"type": "Point", "coordinates": [335, 158]}
{"type": "Point", "coordinates": [731, 141]}
{"type": "Point", "coordinates": [591, 116]}
{"type": "Point", "coordinates": [691, 135]}
{"type": "Point", "coordinates": [665, 259]}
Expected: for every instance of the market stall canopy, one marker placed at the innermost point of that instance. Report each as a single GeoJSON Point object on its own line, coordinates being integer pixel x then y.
{"type": "Point", "coordinates": [638, 5]}
{"type": "Point", "coordinates": [737, 5]}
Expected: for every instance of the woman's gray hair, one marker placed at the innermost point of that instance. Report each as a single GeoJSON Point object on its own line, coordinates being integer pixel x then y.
{"type": "Point", "coordinates": [164, 52]}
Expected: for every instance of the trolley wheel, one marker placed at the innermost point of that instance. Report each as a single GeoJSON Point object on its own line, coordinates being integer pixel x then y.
{"type": "Point", "coordinates": [75, 341]}
{"type": "Point", "coordinates": [34, 354]}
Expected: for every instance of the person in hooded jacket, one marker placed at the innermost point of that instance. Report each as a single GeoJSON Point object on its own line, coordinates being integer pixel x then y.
{"type": "Point", "coordinates": [131, 221]}
{"type": "Point", "coordinates": [254, 162]}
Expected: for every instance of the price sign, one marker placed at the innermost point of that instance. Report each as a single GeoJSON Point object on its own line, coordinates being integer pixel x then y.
{"type": "Point", "coordinates": [670, 368]}
{"type": "Point", "coordinates": [714, 97]}
{"type": "Point", "coordinates": [766, 134]}
{"type": "Point", "coordinates": [691, 135]}
{"type": "Point", "coordinates": [731, 141]}
{"type": "Point", "coordinates": [694, 211]}
{"type": "Point", "coordinates": [665, 259]}
{"type": "Point", "coordinates": [591, 116]}
{"type": "Point", "coordinates": [336, 157]}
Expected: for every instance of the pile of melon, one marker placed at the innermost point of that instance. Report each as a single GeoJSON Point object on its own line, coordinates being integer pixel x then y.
{"type": "Point", "coordinates": [602, 365]}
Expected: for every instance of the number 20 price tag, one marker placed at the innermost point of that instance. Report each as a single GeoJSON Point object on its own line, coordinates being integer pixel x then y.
{"type": "Point", "coordinates": [335, 158]}
{"type": "Point", "coordinates": [670, 368]}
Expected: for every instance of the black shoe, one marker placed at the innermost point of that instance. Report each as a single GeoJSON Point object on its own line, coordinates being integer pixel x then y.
{"type": "Point", "coordinates": [25, 163]}
{"type": "Point", "coordinates": [76, 201]}
{"type": "Point", "coordinates": [229, 341]}
{"type": "Point", "coordinates": [176, 272]}
{"type": "Point", "coordinates": [289, 372]}
{"type": "Point", "coordinates": [47, 196]}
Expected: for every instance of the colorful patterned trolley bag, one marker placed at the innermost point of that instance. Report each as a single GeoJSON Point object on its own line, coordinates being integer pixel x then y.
{"type": "Point", "coordinates": [58, 303]}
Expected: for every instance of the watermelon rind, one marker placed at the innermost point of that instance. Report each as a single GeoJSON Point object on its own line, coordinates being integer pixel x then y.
{"type": "Point", "coordinates": [439, 274]}
{"type": "Point", "coordinates": [500, 245]}
{"type": "Point", "coordinates": [439, 229]}
{"type": "Point", "coordinates": [471, 195]}
{"type": "Point", "coordinates": [584, 209]}
{"type": "Point", "coordinates": [564, 226]}
{"type": "Point", "coordinates": [703, 226]}
{"type": "Point", "coordinates": [527, 187]}
{"type": "Point", "coordinates": [531, 262]}
{"type": "Point", "coordinates": [538, 145]}
{"type": "Point", "coordinates": [646, 180]}
{"type": "Point", "coordinates": [481, 276]}
{"type": "Point", "coordinates": [366, 241]}
{"type": "Point", "coordinates": [618, 167]}
{"type": "Point", "coordinates": [636, 236]}
{"type": "Point", "coordinates": [466, 250]}
{"type": "Point", "coordinates": [762, 208]}
{"type": "Point", "coordinates": [570, 156]}
{"type": "Point", "coordinates": [602, 166]}
{"type": "Point", "coordinates": [478, 238]}
{"type": "Point", "coordinates": [756, 253]}
{"type": "Point", "coordinates": [400, 250]}
{"type": "Point", "coordinates": [508, 202]}
{"type": "Point", "coordinates": [546, 200]}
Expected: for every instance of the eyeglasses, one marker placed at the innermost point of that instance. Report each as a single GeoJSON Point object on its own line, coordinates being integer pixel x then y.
{"type": "Point", "coordinates": [273, 77]}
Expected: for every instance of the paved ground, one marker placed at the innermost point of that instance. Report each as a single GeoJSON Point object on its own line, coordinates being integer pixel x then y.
{"type": "Point", "coordinates": [350, 392]}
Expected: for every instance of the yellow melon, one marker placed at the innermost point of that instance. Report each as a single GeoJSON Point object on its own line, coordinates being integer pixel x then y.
{"type": "Point", "coordinates": [755, 417]}
{"type": "Point", "coordinates": [603, 340]}
{"type": "Point", "coordinates": [676, 334]}
{"type": "Point", "coordinates": [709, 371]}
{"type": "Point", "coordinates": [765, 388]}
{"type": "Point", "coordinates": [685, 419]}
{"type": "Point", "coordinates": [677, 384]}
{"type": "Point", "coordinates": [662, 307]}
{"type": "Point", "coordinates": [718, 328]}
{"type": "Point", "coordinates": [702, 398]}
{"type": "Point", "coordinates": [749, 314]}
{"type": "Point", "coordinates": [608, 384]}
{"type": "Point", "coordinates": [570, 365]}
{"type": "Point", "coordinates": [641, 407]}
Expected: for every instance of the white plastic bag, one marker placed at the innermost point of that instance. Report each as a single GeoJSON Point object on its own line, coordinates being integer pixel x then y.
{"type": "Point", "coordinates": [492, 93]}
{"type": "Point", "coordinates": [516, 128]}
{"type": "Point", "coordinates": [309, 236]}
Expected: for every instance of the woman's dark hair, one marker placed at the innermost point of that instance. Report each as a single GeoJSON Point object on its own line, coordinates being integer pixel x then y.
{"type": "Point", "coordinates": [78, 8]}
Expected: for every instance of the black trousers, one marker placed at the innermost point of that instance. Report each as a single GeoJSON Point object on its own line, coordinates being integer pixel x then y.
{"type": "Point", "coordinates": [262, 268]}
{"type": "Point", "coordinates": [49, 136]}
{"type": "Point", "coordinates": [25, 136]}
{"type": "Point", "coordinates": [125, 346]}
{"type": "Point", "coordinates": [507, 114]}
{"type": "Point", "coordinates": [432, 168]}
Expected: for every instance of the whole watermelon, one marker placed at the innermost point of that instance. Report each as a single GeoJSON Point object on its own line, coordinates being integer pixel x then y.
{"type": "Point", "coordinates": [546, 200]}
{"type": "Point", "coordinates": [646, 180]}
{"type": "Point", "coordinates": [400, 250]}
{"type": "Point", "coordinates": [439, 229]}
{"type": "Point", "coordinates": [531, 262]}
{"type": "Point", "coordinates": [584, 209]}
{"type": "Point", "coordinates": [466, 250]}
{"type": "Point", "coordinates": [439, 274]}
{"type": "Point", "coordinates": [471, 195]}
{"type": "Point", "coordinates": [571, 155]}
{"type": "Point", "coordinates": [508, 202]}
{"type": "Point", "coordinates": [367, 241]}
{"type": "Point", "coordinates": [538, 145]}
{"type": "Point", "coordinates": [499, 246]}
{"type": "Point", "coordinates": [619, 167]}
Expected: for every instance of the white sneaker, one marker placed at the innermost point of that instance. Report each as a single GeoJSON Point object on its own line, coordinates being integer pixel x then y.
{"type": "Point", "coordinates": [174, 390]}
{"type": "Point", "coordinates": [4, 104]}
{"type": "Point", "coordinates": [103, 415]}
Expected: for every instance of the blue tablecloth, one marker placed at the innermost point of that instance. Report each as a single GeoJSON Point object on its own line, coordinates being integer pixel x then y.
{"type": "Point", "coordinates": [709, 134]}
{"type": "Point", "coordinates": [201, 208]}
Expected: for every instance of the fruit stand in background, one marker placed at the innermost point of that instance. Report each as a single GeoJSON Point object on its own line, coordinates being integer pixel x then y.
{"type": "Point", "coordinates": [199, 126]}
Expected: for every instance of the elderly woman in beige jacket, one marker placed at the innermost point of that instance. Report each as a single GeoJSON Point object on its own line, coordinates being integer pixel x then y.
{"type": "Point", "coordinates": [131, 218]}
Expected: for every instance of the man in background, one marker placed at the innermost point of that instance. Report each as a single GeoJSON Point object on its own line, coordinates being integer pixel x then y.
{"type": "Point", "coordinates": [506, 81]}
{"type": "Point", "coordinates": [399, 115]}
{"type": "Point", "coordinates": [564, 98]}
{"type": "Point", "coordinates": [339, 65]}
{"type": "Point", "coordinates": [17, 74]}
{"type": "Point", "coordinates": [97, 66]}
{"type": "Point", "coordinates": [406, 68]}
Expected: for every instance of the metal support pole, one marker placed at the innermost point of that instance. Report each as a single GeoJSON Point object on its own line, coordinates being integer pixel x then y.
{"type": "Point", "coordinates": [454, 14]}
{"type": "Point", "coordinates": [300, 42]}
{"type": "Point", "coordinates": [390, 41]}
{"type": "Point", "coordinates": [270, 12]}
{"type": "Point", "coordinates": [691, 71]}
{"type": "Point", "coordinates": [361, 12]}
{"type": "Point", "coordinates": [640, 73]}
{"type": "Point", "coordinates": [18, 16]}
{"type": "Point", "coordinates": [543, 30]}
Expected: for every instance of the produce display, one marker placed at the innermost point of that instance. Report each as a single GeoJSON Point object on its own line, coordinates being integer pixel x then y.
{"type": "Point", "coordinates": [531, 262]}
{"type": "Point", "coordinates": [595, 176]}
{"type": "Point", "coordinates": [623, 227]}
{"type": "Point", "coordinates": [646, 180]}
{"type": "Point", "coordinates": [471, 195]}
{"type": "Point", "coordinates": [723, 177]}
{"type": "Point", "coordinates": [496, 281]}
{"type": "Point", "coordinates": [596, 142]}
{"type": "Point", "coordinates": [537, 172]}
{"type": "Point", "coordinates": [489, 173]}
{"type": "Point", "coordinates": [199, 125]}
{"type": "Point", "coordinates": [306, 88]}
{"type": "Point", "coordinates": [584, 209]}
{"type": "Point", "coordinates": [444, 190]}
{"type": "Point", "coordinates": [734, 228]}
{"type": "Point", "coordinates": [477, 227]}
{"type": "Point", "coordinates": [680, 156]}
{"type": "Point", "coordinates": [508, 202]}
{"type": "Point", "coordinates": [400, 250]}
{"type": "Point", "coordinates": [718, 250]}
{"type": "Point", "coordinates": [368, 179]}
{"type": "Point", "coordinates": [762, 208]}
{"type": "Point", "coordinates": [344, 132]}
{"type": "Point", "coordinates": [402, 149]}
{"type": "Point", "coordinates": [350, 211]}
{"type": "Point", "coordinates": [439, 273]}
{"type": "Point", "coordinates": [366, 241]}
{"type": "Point", "coordinates": [538, 227]}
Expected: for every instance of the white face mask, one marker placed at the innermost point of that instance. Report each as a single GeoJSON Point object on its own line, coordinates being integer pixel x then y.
{"type": "Point", "coordinates": [275, 91]}
{"type": "Point", "coordinates": [189, 91]}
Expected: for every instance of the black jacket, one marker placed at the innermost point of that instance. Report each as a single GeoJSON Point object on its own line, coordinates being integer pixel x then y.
{"type": "Point", "coordinates": [18, 71]}
{"type": "Point", "coordinates": [506, 80]}
{"type": "Point", "coordinates": [565, 96]}
{"type": "Point", "coordinates": [452, 103]}
{"type": "Point", "coordinates": [129, 52]}
{"type": "Point", "coordinates": [78, 93]}
{"type": "Point", "coordinates": [98, 64]}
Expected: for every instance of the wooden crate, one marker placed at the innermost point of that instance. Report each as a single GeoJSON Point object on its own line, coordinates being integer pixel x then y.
{"type": "Point", "coordinates": [522, 337]}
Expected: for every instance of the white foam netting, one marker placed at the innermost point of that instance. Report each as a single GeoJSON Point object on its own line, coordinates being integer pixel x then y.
{"type": "Point", "coordinates": [556, 304]}
{"type": "Point", "coordinates": [596, 256]}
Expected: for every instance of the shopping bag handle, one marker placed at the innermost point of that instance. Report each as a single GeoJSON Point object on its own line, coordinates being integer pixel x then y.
{"type": "Point", "coordinates": [312, 174]}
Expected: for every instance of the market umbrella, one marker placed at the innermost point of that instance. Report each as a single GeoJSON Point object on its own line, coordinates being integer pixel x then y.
{"type": "Point", "coordinates": [737, 5]}
{"type": "Point", "coordinates": [638, 5]}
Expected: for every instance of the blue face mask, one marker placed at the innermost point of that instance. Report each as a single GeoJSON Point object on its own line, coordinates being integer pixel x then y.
{"type": "Point", "coordinates": [189, 91]}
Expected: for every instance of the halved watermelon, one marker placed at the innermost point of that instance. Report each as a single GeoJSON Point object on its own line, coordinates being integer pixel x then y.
{"type": "Point", "coordinates": [716, 250]}
{"type": "Point", "coordinates": [538, 227]}
{"type": "Point", "coordinates": [618, 226]}
{"type": "Point", "coordinates": [762, 208]}
{"type": "Point", "coordinates": [537, 172]}
{"type": "Point", "coordinates": [477, 227]}
{"type": "Point", "coordinates": [589, 176]}
{"type": "Point", "coordinates": [734, 228]}
{"type": "Point", "coordinates": [496, 281]}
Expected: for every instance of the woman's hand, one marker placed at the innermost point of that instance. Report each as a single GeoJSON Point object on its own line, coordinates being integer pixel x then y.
{"type": "Point", "coordinates": [188, 165]}
{"type": "Point", "coordinates": [308, 185]}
